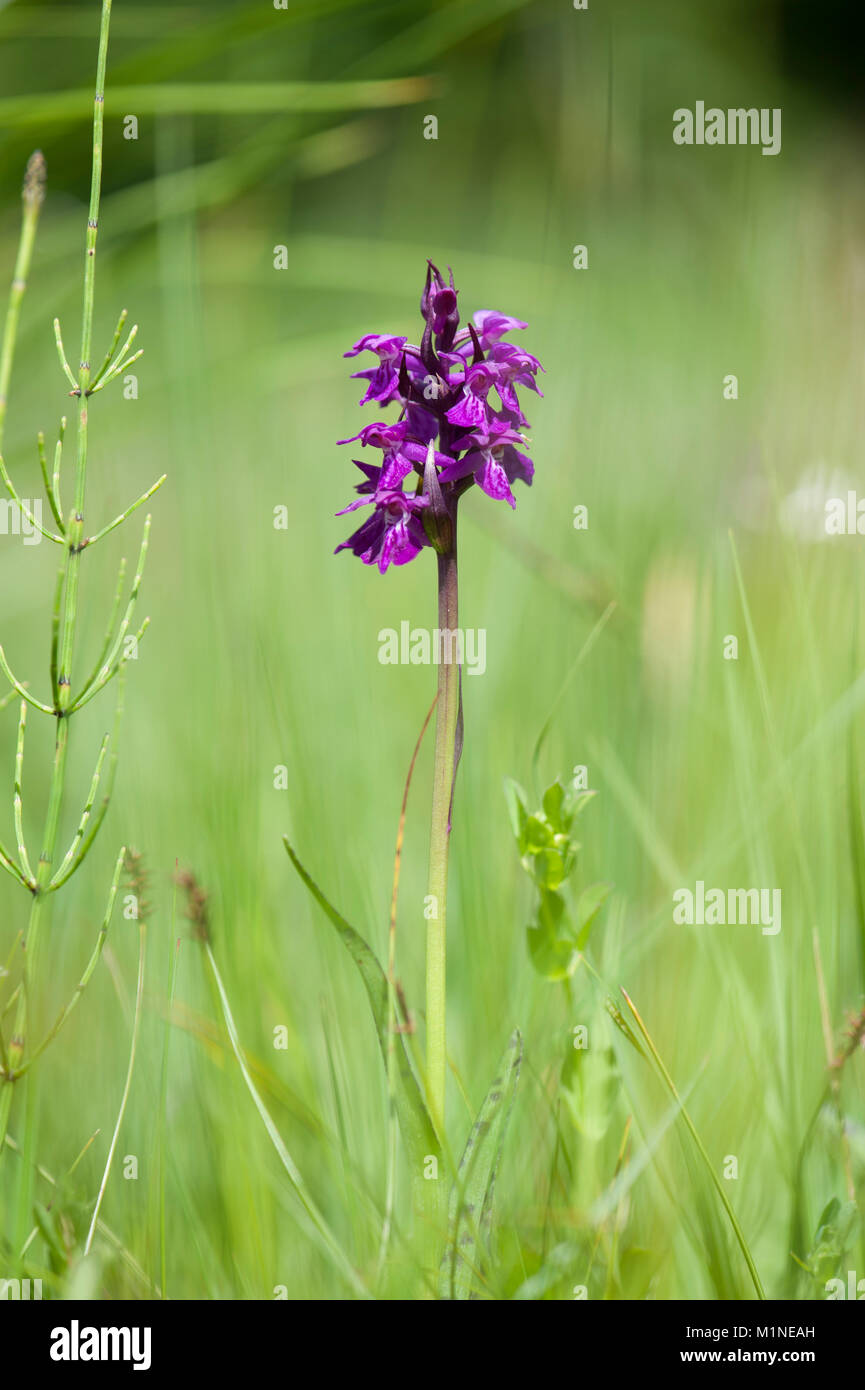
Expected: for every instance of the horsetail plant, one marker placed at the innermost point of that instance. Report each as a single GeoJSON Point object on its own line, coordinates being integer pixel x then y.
{"type": "Point", "coordinates": [449, 435]}
{"type": "Point", "coordinates": [40, 877]}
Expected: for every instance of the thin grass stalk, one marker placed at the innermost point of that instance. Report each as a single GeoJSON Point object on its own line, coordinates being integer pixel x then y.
{"type": "Point", "coordinates": [392, 1005]}
{"type": "Point", "coordinates": [136, 1027]}
{"type": "Point", "coordinates": [124, 1254]}
{"type": "Point", "coordinates": [317, 1223]}
{"type": "Point", "coordinates": [710, 1167]}
{"type": "Point", "coordinates": [163, 1112]}
{"type": "Point", "coordinates": [32, 198]}
{"type": "Point", "coordinates": [85, 978]}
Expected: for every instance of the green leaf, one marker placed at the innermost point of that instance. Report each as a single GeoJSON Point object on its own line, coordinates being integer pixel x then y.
{"type": "Point", "coordinates": [537, 835]}
{"type": "Point", "coordinates": [317, 1224]}
{"type": "Point", "coordinates": [215, 98]}
{"type": "Point", "coordinates": [548, 852]}
{"type": "Point", "coordinates": [49, 1228]}
{"type": "Point", "coordinates": [548, 869]}
{"type": "Point", "coordinates": [581, 800]}
{"type": "Point", "coordinates": [553, 959]}
{"type": "Point", "coordinates": [590, 1084]}
{"type": "Point", "coordinates": [828, 1215]}
{"type": "Point", "coordinates": [832, 1240]}
{"type": "Point", "coordinates": [517, 809]}
{"type": "Point", "coordinates": [550, 939]}
{"type": "Point", "coordinates": [470, 1210]}
{"type": "Point", "coordinates": [414, 1121]}
{"type": "Point", "coordinates": [562, 804]}
{"type": "Point", "coordinates": [623, 1026]}
{"type": "Point", "coordinates": [554, 805]}
{"type": "Point", "coordinates": [589, 904]}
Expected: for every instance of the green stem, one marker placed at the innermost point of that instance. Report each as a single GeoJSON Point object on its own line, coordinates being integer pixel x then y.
{"type": "Point", "coordinates": [76, 521]}
{"type": "Point", "coordinates": [318, 1225]}
{"type": "Point", "coordinates": [32, 197]}
{"type": "Point", "coordinates": [163, 1109]}
{"type": "Point", "coordinates": [136, 1025]}
{"type": "Point", "coordinates": [392, 1008]}
{"type": "Point", "coordinates": [701, 1149]}
{"type": "Point", "coordinates": [447, 714]}
{"type": "Point", "coordinates": [69, 617]}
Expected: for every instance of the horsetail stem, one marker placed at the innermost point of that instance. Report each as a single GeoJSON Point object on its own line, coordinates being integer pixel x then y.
{"type": "Point", "coordinates": [46, 876]}
{"type": "Point", "coordinates": [32, 198]}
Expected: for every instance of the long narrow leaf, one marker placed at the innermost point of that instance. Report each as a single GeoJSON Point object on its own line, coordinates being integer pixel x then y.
{"type": "Point", "coordinates": [414, 1121]}
{"type": "Point", "coordinates": [470, 1213]}
{"type": "Point", "coordinates": [710, 1169]}
{"type": "Point", "coordinates": [317, 1224]}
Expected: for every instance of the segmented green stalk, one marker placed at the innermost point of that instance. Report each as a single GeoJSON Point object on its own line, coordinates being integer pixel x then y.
{"type": "Point", "coordinates": [48, 876]}
{"type": "Point", "coordinates": [32, 197]}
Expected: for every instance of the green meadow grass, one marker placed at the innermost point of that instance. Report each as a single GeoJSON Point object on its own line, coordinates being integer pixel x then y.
{"type": "Point", "coordinates": [263, 651]}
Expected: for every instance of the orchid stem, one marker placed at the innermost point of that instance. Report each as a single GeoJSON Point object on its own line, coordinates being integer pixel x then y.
{"type": "Point", "coordinates": [447, 715]}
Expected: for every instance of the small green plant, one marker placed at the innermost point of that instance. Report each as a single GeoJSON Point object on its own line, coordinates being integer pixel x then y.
{"type": "Point", "coordinates": [40, 876]}
{"type": "Point", "coordinates": [557, 934]}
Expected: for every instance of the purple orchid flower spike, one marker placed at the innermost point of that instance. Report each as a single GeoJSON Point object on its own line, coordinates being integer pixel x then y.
{"type": "Point", "coordinates": [459, 423]}
{"type": "Point", "coordinates": [456, 391]}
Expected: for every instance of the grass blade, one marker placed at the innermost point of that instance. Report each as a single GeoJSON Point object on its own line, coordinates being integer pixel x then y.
{"type": "Point", "coordinates": [716, 1181]}
{"type": "Point", "coordinates": [139, 1000]}
{"type": "Point", "coordinates": [216, 98]}
{"type": "Point", "coordinates": [414, 1120]}
{"type": "Point", "coordinates": [319, 1225]}
{"type": "Point", "coordinates": [470, 1214]}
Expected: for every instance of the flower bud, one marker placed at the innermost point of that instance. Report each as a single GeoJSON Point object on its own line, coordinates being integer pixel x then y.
{"type": "Point", "coordinates": [33, 191]}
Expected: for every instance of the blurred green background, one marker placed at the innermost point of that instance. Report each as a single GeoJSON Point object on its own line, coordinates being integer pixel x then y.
{"type": "Point", "coordinates": [554, 129]}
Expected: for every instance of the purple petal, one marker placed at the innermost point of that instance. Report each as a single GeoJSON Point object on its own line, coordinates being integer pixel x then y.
{"type": "Point", "coordinates": [492, 325]}
{"type": "Point", "coordinates": [388, 346]}
{"type": "Point", "coordinates": [470, 412]}
{"type": "Point", "coordinates": [493, 480]}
